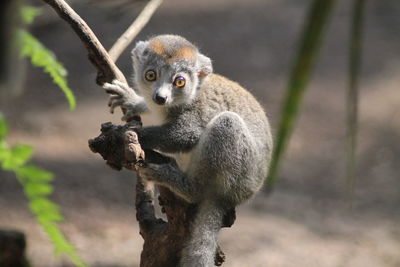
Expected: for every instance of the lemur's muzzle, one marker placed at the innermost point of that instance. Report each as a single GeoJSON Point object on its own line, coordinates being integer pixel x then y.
{"type": "Point", "coordinates": [161, 100]}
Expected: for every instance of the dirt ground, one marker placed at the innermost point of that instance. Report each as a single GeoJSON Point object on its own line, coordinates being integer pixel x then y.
{"type": "Point", "coordinates": [308, 220]}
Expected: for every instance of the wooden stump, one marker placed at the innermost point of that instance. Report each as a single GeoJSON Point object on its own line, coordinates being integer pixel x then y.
{"type": "Point", "coordinates": [12, 249]}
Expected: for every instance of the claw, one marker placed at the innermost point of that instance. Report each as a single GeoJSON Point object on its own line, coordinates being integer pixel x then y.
{"type": "Point", "coordinates": [116, 104]}
{"type": "Point", "coordinates": [113, 98]}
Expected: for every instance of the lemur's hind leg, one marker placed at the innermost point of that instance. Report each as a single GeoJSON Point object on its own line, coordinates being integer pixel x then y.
{"type": "Point", "coordinates": [225, 149]}
{"type": "Point", "coordinates": [223, 161]}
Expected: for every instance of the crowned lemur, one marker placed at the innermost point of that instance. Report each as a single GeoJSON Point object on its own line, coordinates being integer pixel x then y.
{"type": "Point", "coordinates": [214, 122]}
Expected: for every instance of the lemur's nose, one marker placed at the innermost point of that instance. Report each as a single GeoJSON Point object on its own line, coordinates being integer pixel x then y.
{"type": "Point", "coordinates": [161, 100]}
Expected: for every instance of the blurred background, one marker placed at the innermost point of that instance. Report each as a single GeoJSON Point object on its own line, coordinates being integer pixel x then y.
{"type": "Point", "coordinates": [308, 220]}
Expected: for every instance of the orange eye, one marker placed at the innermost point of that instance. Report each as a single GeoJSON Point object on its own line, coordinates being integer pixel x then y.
{"type": "Point", "coordinates": [179, 82]}
{"type": "Point", "coordinates": [150, 75]}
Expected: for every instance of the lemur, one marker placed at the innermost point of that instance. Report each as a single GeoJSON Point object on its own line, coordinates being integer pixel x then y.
{"type": "Point", "coordinates": [217, 124]}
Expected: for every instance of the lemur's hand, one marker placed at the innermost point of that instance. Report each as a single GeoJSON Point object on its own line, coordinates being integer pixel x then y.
{"type": "Point", "coordinates": [121, 95]}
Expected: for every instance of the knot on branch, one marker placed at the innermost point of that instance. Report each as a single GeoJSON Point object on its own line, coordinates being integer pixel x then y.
{"type": "Point", "coordinates": [119, 145]}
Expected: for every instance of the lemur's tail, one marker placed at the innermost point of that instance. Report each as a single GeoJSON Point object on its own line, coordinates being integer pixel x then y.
{"type": "Point", "coordinates": [200, 249]}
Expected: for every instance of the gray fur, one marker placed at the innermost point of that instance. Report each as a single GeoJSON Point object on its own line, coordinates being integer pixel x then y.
{"type": "Point", "coordinates": [220, 124]}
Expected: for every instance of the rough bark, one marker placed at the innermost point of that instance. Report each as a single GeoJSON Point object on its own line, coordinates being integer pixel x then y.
{"type": "Point", "coordinates": [107, 70]}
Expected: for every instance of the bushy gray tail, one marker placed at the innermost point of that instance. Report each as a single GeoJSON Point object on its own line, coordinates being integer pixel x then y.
{"type": "Point", "coordinates": [200, 249]}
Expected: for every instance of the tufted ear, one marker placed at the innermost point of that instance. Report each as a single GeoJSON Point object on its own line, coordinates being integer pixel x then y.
{"type": "Point", "coordinates": [204, 65]}
{"type": "Point", "coordinates": [138, 51]}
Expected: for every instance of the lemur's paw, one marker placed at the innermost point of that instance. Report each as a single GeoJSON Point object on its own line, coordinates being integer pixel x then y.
{"type": "Point", "coordinates": [121, 95]}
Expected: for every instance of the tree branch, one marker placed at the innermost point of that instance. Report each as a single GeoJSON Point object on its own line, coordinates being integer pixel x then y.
{"type": "Point", "coordinates": [107, 70]}
{"type": "Point", "coordinates": [119, 146]}
{"type": "Point", "coordinates": [133, 30]}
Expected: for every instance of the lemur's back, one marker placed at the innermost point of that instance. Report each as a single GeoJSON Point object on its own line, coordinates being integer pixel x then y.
{"type": "Point", "coordinates": [221, 94]}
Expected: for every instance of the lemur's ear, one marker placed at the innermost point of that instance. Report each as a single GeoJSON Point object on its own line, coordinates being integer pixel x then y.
{"type": "Point", "coordinates": [138, 51]}
{"type": "Point", "coordinates": [205, 66]}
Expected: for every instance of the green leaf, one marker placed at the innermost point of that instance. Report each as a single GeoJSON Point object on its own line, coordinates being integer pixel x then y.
{"type": "Point", "coordinates": [313, 32]}
{"type": "Point", "coordinates": [29, 13]}
{"type": "Point", "coordinates": [34, 189]}
{"type": "Point", "coordinates": [31, 173]}
{"type": "Point", "coordinates": [49, 217]}
{"type": "Point", "coordinates": [3, 127]}
{"type": "Point", "coordinates": [35, 182]}
{"type": "Point", "coordinates": [4, 152]}
{"type": "Point", "coordinates": [352, 96]}
{"type": "Point", "coordinates": [61, 244]}
{"type": "Point", "coordinates": [57, 238]}
{"type": "Point", "coordinates": [47, 214]}
{"type": "Point", "coordinates": [19, 155]}
{"type": "Point", "coordinates": [44, 58]}
{"type": "Point", "coordinates": [42, 205]}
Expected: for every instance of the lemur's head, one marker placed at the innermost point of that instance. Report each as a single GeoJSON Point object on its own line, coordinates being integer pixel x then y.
{"type": "Point", "coordinates": [169, 69]}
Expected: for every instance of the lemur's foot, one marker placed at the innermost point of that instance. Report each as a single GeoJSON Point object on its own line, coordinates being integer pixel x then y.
{"type": "Point", "coordinates": [162, 174]}
{"type": "Point", "coordinates": [150, 172]}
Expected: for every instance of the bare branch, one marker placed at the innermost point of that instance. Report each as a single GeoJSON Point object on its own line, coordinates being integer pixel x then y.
{"type": "Point", "coordinates": [133, 30]}
{"type": "Point", "coordinates": [107, 70]}
{"type": "Point", "coordinates": [120, 147]}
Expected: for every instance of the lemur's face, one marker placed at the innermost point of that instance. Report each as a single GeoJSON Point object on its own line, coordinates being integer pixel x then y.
{"type": "Point", "coordinates": [168, 70]}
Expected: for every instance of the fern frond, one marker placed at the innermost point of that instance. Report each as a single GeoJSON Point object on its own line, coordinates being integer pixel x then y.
{"type": "Point", "coordinates": [41, 57]}
{"type": "Point", "coordinates": [3, 127]}
{"type": "Point", "coordinates": [37, 188]}
{"type": "Point", "coordinates": [29, 13]}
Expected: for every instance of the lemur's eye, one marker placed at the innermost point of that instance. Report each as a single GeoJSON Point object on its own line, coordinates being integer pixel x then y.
{"type": "Point", "coordinates": [179, 82]}
{"type": "Point", "coordinates": [150, 75]}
